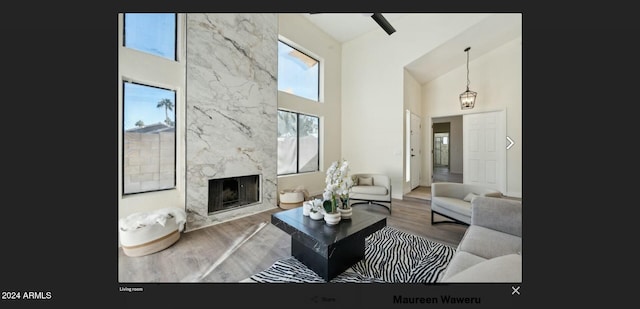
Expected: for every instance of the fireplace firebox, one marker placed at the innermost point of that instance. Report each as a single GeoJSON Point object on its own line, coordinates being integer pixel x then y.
{"type": "Point", "coordinates": [233, 192]}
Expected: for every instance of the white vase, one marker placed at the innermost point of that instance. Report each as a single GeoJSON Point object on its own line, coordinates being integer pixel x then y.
{"type": "Point", "coordinates": [345, 213]}
{"type": "Point", "coordinates": [306, 208]}
{"type": "Point", "coordinates": [316, 215]}
{"type": "Point", "coordinates": [332, 218]}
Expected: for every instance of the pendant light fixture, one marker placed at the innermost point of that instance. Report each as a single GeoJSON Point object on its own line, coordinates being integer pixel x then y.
{"type": "Point", "coordinates": [468, 98]}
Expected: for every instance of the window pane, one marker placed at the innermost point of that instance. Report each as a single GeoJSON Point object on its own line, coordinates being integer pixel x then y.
{"type": "Point", "coordinates": [154, 33]}
{"type": "Point", "coordinates": [149, 138]}
{"type": "Point", "coordinates": [287, 142]}
{"type": "Point", "coordinates": [297, 73]}
{"type": "Point", "coordinates": [308, 139]}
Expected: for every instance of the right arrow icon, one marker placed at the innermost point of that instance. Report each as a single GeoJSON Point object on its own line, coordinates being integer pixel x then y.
{"type": "Point", "coordinates": [510, 142]}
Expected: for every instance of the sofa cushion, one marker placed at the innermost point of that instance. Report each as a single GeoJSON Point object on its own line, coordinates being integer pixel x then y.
{"type": "Point", "coordinates": [369, 189]}
{"type": "Point", "coordinates": [469, 197]}
{"type": "Point", "coordinates": [461, 260]}
{"type": "Point", "coordinates": [452, 204]}
{"type": "Point", "coordinates": [488, 243]}
{"type": "Point", "coordinates": [365, 181]}
{"type": "Point", "coordinates": [505, 268]}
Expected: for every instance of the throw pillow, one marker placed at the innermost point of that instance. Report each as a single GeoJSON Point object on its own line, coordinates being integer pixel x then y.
{"type": "Point", "coordinates": [365, 181]}
{"type": "Point", "coordinates": [470, 197]}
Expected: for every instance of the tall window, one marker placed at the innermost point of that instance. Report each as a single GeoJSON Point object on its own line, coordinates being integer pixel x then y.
{"type": "Point", "coordinates": [298, 73]}
{"type": "Point", "coordinates": [148, 111]}
{"type": "Point", "coordinates": [149, 138]}
{"type": "Point", "coordinates": [298, 143]}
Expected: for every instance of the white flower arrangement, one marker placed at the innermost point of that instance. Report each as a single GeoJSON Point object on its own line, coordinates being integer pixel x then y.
{"type": "Point", "coordinates": [316, 206]}
{"type": "Point", "coordinates": [338, 183]}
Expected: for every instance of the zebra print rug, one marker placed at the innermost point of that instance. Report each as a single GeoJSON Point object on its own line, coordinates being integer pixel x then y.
{"type": "Point", "coordinates": [391, 256]}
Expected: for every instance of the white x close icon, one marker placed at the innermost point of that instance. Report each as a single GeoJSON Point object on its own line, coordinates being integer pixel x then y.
{"type": "Point", "coordinates": [516, 290]}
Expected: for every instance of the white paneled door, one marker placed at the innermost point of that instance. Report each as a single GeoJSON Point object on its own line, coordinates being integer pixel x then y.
{"type": "Point", "coordinates": [485, 150]}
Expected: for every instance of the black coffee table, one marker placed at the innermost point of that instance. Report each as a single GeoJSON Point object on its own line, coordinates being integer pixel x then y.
{"type": "Point", "coordinates": [328, 250]}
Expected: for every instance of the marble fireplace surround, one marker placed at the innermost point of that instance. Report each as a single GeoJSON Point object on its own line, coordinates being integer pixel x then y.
{"type": "Point", "coordinates": [231, 112]}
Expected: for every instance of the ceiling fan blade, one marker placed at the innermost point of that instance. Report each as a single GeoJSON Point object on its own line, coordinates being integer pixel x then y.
{"type": "Point", "coordinates": [383, 23]}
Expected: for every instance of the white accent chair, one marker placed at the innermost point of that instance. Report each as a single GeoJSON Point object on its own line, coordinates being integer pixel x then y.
{"type": "Point", "coordinates": [453, 200]}
{"type": "Point", "coordinates": [371, 189]}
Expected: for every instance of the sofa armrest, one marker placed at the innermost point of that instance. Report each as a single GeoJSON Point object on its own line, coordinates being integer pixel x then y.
{"type": "Point", "coordinates": [499, 214]}
{"type": "Point", "coordinates": [447, 189]}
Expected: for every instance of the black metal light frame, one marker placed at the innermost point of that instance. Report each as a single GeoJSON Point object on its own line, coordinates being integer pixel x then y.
{"type": "Point", "coordinates": [468, 98]}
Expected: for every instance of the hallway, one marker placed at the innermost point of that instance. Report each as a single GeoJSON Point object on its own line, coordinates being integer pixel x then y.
{"type": "Point", "coordinates": [440, 174]}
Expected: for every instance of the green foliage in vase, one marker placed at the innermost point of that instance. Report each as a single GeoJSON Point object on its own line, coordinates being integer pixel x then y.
{"type": "Point", "coordinates": [329, 206]}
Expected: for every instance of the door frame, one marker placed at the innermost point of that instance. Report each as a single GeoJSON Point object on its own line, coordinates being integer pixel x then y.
{"type": "Point", "coordinates": [418, 155]}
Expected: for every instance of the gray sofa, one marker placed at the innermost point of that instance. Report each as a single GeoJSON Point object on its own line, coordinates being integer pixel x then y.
{"type": "Point", "coordinates": [453, 200]}
{"type": "Point", "coordinates": [371, 189]}
{"type": "Point", "coordinates": [491, 248]}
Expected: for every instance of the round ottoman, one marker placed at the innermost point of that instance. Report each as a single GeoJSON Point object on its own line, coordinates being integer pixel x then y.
{"type": "Point", "coordinates": [143, 233]}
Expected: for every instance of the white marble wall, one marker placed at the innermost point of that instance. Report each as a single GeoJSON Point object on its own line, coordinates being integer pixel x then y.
{"type": "Point", "coordinates": [232, 106]}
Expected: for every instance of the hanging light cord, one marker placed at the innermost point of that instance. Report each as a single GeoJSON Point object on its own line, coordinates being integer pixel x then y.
{"type": "Point", "coordinates": [467, 50]}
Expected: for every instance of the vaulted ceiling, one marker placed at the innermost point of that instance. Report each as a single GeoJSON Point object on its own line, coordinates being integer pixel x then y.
{"type": "Point", "coordinates": [486, 35]}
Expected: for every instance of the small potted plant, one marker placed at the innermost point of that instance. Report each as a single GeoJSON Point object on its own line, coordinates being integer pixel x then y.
{"type": "Point", "coordinates": [332, 216]}
{"type": "Point", "coordinates": [316, 211]}
{"type": "Point", "coordinates": [338, 186]}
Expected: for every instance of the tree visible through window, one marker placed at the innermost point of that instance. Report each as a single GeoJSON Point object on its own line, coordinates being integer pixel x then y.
{"type": "Point", "coordinates": [149, 138]}
{"type": "Point", "coordinates": [149, 112]}
{"type": "Point", "coordinates": [298, 143]}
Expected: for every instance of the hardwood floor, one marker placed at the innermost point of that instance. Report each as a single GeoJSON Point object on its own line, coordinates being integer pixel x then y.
{"type": "Point", "coordinates": [442, 174]}
{"type": "Point", "coordinates": [234, 250]}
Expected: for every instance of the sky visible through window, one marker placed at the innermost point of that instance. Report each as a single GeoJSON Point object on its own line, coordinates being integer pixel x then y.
{"type": "Point", "coordinates": [297, 73]}
{"type": "Point", "coordinates": [153, 33]}
{"type": "Point", "coordinates": [140, 104]}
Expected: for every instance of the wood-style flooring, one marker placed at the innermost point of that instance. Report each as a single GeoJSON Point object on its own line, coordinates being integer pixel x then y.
{"type": "Point", "coordinates": [233, 251]}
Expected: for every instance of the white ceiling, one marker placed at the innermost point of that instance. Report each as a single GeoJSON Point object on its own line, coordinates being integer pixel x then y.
{"type": "Point", "coordinates": [347, 26]}
{"type": "Point", "coordinates": [491, 32]}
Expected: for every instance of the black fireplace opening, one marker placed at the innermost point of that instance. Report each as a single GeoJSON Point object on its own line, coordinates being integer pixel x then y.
{"type": "Point", "coordinates": [233, 192]}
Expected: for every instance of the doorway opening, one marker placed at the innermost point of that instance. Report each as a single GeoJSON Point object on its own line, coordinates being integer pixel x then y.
{"type": "Point", "coordinates": [446, 148]}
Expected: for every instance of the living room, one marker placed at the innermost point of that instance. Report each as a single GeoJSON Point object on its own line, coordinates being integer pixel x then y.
{"type": "Point", "coordinates": [368, 87]}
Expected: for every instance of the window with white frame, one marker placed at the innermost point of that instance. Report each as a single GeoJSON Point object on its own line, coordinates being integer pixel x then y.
{"type": "Point", "coordinates": [298, 143]}
{"type": "Point", "coordinates": [148, 102]}
{"type": "Point", "coordinates": [298, 73]}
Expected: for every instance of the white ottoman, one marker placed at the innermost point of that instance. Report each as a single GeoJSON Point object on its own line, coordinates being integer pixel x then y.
{"type": "Point", "coordinates": [143, 233]}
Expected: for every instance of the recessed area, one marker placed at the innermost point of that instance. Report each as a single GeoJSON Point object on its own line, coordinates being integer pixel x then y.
{"type": "Point", "coordinates": [233, 192]}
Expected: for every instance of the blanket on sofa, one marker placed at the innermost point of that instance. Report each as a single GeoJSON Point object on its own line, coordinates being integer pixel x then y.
{"type": "Point", "coordinates": [141, 219]}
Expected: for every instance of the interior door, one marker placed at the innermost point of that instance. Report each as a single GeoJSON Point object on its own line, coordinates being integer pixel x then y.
{"type": "Point", "coordinates": [416, 150]}
{"type": "Point", "coordinates": [485, 150]}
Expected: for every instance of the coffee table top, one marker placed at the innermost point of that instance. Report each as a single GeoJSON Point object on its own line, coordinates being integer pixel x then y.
{"type": "Point", "coordinates": [319, 235]}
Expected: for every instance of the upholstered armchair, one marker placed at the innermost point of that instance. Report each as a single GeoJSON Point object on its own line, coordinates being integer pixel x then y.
{"type": "Point", "coordinates": [371, 189]}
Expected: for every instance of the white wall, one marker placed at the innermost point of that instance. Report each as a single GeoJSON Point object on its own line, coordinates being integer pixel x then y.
{"type": "Point", "coordinates": [373, 107]}
{"type": "Point", "coordinates": [317, 43]}
{"type": "Point", "coordinates": [497, 77]}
